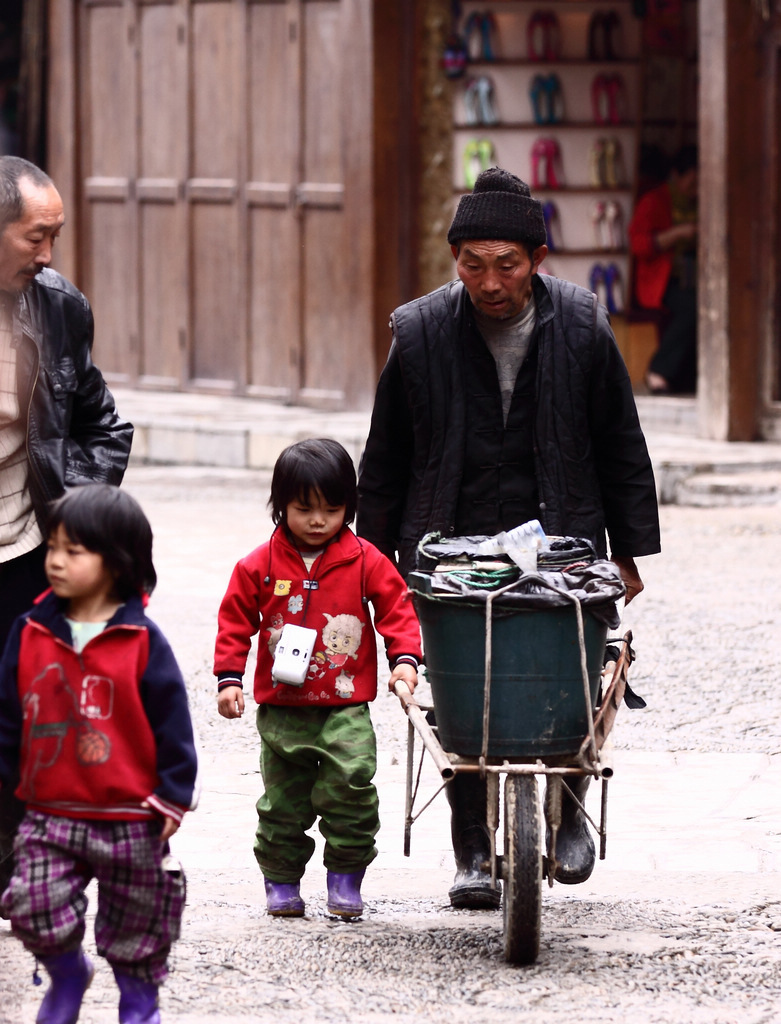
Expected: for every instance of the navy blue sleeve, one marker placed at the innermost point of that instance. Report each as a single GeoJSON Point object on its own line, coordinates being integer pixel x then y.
{"type": "Point", "coordinates": [10, 706]}
{"type": "Point", "coordinates": [164, 697]}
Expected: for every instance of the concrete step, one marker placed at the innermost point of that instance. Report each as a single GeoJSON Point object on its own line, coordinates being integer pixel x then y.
{"type": "Point", "coordinates": [733, 489]}
{"type": "Point", "coordinates": [189, 429]}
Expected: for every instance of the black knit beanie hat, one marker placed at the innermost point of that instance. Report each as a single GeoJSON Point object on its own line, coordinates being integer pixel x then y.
{"type": "Point", "coordinates": [499, 207]}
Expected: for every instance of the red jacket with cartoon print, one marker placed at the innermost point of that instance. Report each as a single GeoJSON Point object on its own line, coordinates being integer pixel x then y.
{"type": "Point", "coordinates": [272, 587]}
{"type": "Point", "coordinates": [96, 734]}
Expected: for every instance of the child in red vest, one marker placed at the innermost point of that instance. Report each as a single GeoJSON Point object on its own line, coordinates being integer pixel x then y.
{"type": "Point", "coordinates": [318, 749]}
{"type": "Point", "coordinates": [94, 712]}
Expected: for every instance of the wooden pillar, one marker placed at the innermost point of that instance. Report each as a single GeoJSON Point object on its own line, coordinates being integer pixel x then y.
{"type": "Point", "coordinates": [435, 147]}
{"type": "Point", "coordinates": [61, 121]}
{"type": "Point", "coordinates": [393, 165]}
{"type": "Point", "coordinates": [731, 211]}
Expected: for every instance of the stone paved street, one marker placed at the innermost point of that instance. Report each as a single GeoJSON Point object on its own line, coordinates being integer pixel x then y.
{"type": "Point", "coordinates": [680, 923]}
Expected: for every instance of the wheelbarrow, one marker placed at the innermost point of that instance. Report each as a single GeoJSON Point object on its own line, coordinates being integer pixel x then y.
{"type": "Point", "coordinates": [518, 693]}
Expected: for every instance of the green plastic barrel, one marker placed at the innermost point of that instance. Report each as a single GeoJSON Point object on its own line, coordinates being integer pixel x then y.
{"type": "Point", "coordinates": [538, 707]}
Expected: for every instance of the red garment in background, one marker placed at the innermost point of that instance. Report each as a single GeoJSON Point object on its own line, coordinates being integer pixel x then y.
{"type": "Point", "coordinates": [652, 269]}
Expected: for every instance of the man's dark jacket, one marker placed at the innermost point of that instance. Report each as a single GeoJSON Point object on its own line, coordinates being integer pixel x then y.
{"type": "Point", "coordinates": [74, 435]}
{"type": "Point", "coordinates": [592, 468]}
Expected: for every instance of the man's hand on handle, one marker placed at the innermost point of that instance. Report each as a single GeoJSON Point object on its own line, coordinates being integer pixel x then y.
{"type": "Point", "coordinates": [630, 576]}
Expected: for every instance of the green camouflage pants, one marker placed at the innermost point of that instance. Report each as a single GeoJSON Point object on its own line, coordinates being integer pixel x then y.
{"type": "Point", "coordinates": [316, 761]}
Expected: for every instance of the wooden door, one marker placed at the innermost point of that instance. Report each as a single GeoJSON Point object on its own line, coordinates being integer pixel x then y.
{"type": "Point", "coordinates": [225, 188]}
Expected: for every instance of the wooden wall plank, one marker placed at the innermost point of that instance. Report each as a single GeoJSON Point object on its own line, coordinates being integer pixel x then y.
{"type": "Point", "coordinates": [107, 112]}
{"type": "Point", "coordinates": [218, 346]}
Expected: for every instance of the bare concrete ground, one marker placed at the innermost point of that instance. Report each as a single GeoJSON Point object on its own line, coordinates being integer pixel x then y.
{"type": "Point", "coordinates": [680, 923]}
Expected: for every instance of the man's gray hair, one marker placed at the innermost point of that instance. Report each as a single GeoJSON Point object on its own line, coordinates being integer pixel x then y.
{"type": "Point", "coordinates": [12, 170]}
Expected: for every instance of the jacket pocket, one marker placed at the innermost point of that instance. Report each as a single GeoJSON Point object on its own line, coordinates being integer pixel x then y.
{"type": "Point", "coordinates": [63, 380]}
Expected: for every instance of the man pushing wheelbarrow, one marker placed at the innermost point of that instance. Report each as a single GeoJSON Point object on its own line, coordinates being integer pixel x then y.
{"type": "Point", "coordinates": [504, 400]}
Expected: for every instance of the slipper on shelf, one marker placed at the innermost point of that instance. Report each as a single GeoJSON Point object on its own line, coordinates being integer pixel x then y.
{"type": "Point", "coordinates": [473, 36]}
{"type": "Point", "coordinates": [488, 36]}
{"type": "Point", "coordinates": [596, 163]}
{"type": "Point", "coordinates": [471, 102]}
{"type": "Point", "coordinates": [485, 100]}
{"type": "Point", "coordinates": [546, 164]}
{"type": "Point", "coordinates": [615, 289]}
{"type": "Point", "coordinates": [614, 221]}
{"type": "Point", "coordinates": [554, 98]}
{"type": "Point", "coordinates": [550, 215]}
{"type": "Point", "coordinates": [543, 36]}
{"type": "Point", "coordinates": [596, 282]}
{"type": "Point", "coordinates": [616, 98]}
{"type": "Point", "coordinates": [598, 222]}
{"type": "Point", "coordinates": [614, 163]}
{"type": "Point", "coordinates": [599, 99]}
{"type": "Point", "coordinates": [537, 97]}
{"type": "Point", "coordinates": [611, 27]}
{"type": "Point", "coordinates": [603, 32]}
{"type": "Point", "coordinates": [479, 155]}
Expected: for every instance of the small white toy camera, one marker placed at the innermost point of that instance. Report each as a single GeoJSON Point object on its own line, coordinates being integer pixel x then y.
{"type": "Point", "coordinates": [293, 654]}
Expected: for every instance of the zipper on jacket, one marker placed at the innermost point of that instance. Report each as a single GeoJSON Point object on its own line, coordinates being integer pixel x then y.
{"type": "Point", "coordinates": [34, 469]}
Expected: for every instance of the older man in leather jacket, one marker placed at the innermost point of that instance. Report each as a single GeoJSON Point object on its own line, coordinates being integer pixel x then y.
{"type": "Point", "coordinates": [58, 424]}
{"type": "Point", "coordinates": [505, 399]}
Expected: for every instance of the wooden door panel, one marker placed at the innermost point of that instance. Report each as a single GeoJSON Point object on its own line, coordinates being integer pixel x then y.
{"type": "Point", "coordinates": [162, 87]}
{"type": "Point", "coordinates": [321, 194]}
{"type": "Point", "coordinates": [108, 227]}
{"type": "Point", "coordinates": [163, 294]}
{"type": "Point", "coordinates": [214, 83]}
{"type": "Point", "coordinates": [273, 100]}
{"type": "Point", "coordinates": [274, 314]}
{"type": "Point", "coordinates": [108, 111]}
{"type": "Point", "coordinates": [218, 353]}
{"type": "Point", "coordinates": [162, 221]}
{"type": "Point", "coordinates": [325, 65]}
{"type": "Point", "coordinates": [273, 153]}
{"type": "Point", "coordinates": [108, 92]}
{"type": "Point", "coordinates": [217, 346]}
{"type": "Point", "coordinates": [327, 307]}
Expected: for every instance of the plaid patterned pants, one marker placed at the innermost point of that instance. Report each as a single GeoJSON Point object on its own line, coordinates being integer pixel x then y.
{"type": "Point", "coordinates": [140, 905]}
{"type": "Point", "coordinates": [316, 761]}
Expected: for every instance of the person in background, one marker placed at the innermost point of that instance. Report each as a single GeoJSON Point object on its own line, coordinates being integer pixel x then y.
{"type": "Point", "coordinates": [663, 242]}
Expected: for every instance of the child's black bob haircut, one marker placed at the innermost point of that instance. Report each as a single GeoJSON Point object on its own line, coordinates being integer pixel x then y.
{"type": "Point", "coordinates": [318, 465]}
{"type": "Point", "coordinates": [108, 522]}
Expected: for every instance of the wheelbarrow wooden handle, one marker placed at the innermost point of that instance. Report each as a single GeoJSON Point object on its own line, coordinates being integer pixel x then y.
{"type": "Point", "coordinates": [424, 730]}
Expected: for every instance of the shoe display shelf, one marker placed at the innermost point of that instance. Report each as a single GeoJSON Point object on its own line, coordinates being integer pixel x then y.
{"type": "Point", "coordinates": [552, 92]}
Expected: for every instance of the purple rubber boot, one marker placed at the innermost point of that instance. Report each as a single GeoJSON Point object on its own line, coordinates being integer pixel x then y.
{"type": "Point", "coordinates": [344, 894]}
{"type": "Point", "coordinates": [283, 899]}
{"type": "Point", "coordinates": [71, 974]}
{"type": "Point", "coordinates": [137, 1000]}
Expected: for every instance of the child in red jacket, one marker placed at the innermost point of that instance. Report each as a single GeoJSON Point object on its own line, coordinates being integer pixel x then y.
{"type": "Point", "coordinates": [318, 749]}
{"type": "Point", "coordinates": [94, 712]}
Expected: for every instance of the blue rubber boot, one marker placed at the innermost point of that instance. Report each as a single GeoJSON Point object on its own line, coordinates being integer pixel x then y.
{"type": "Point", "coordinates": [283, 899]}
{"type": "Point", "coordinates": [344, 894]}
{"type": "Point", "coordinates": [137, 1000]}
{"type": "Point", "coordinates": [71, 974]}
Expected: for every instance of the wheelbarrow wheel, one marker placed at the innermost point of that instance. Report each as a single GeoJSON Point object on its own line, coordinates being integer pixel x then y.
{"type": "Point", "coordinates": [522, 869]}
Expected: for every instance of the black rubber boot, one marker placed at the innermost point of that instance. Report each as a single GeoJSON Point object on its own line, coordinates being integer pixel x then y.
{"type": "Point", "coordinates": [471, 889]}
{"type": "Point", "coordinates": [575, 850]}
